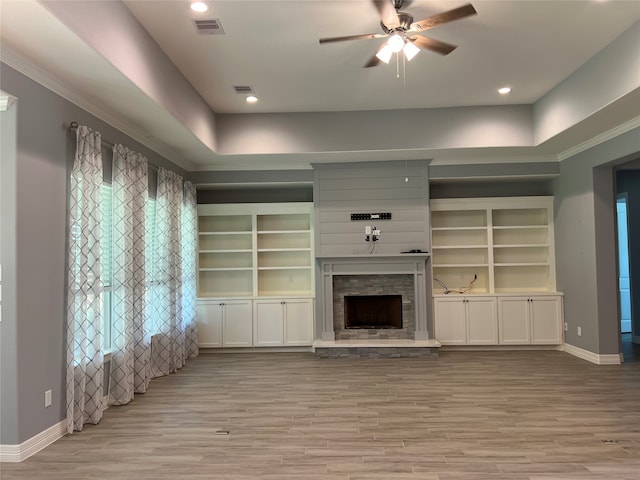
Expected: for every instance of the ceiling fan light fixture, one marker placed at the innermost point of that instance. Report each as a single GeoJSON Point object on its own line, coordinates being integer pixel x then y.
{"type": "Point", "coordinates": [410, 50]}
{"type": "Point", "coordinates": [384, 54]}
{"type": "Point", "coordinates": [395, 42]}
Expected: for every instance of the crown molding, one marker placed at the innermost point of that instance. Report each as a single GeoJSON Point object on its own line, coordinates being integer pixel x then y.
{"type": "Point", "coordinates": [601, 138]}
{"type": "Point", "coordinates": [38, 75]}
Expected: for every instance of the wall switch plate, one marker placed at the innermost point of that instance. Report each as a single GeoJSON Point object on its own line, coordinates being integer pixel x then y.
{"type": "Point", "coordinates": [47, 398]}
{"type": "Point", "coordinates": [579, 331]}
{"type": "Point", "coordinates": [566, 327]}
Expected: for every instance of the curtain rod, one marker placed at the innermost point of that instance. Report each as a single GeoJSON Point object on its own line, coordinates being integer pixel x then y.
{"type": "Point", "coordinates": [74, 126]}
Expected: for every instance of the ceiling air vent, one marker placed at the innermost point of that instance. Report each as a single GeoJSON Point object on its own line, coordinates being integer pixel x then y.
{"type": "Point", "coordinates": [209, 27]}
{"type": "Point", "coordinates": [243, 89]}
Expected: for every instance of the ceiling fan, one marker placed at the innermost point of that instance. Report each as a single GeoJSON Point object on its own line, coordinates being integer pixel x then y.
{"type": "Point", "coordinates": [400, 28]}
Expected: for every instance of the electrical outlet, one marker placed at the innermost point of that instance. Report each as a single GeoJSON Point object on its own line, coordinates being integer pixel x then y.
{"type": "Point", "coordinates": [579, 331]}
{"type": "Point", "coordinates": [566, 327]}
{"type": "Point", "coordinates": [47, 398]}
{"type": "Point", "coordinates": [367, 230]}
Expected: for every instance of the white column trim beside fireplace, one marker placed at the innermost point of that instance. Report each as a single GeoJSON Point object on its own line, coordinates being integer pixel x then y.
{"type": "Point", "coordinates": [413, 264]}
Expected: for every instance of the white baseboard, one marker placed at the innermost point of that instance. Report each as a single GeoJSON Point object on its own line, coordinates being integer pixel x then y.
{"type": "Point", "coordinates": [19, 453]}
{"type": "Point", "coordinates": [608, 359]}
{"type": "Point", "coordinates": [302, 349]}
{"type": "Point", "coordinates": [497, 348]}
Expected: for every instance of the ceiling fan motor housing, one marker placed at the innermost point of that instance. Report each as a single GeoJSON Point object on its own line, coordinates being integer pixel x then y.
{"type": "Point", "coordinates": [405, 20]}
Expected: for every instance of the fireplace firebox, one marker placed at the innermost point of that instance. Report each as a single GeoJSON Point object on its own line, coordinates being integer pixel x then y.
{"type": "Point", "coordinates": [373, 311]}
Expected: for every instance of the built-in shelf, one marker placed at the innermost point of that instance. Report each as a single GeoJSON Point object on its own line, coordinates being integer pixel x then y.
{"type": "Point", "coordinates": [255, 275]}
{"type": "Point", "coordinates": [506, 244]}
{"type": "Point", "coordinates": [253, 250]}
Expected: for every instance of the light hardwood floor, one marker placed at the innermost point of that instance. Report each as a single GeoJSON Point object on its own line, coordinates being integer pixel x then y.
{"type": "Point", "coordinates": [465, 415]}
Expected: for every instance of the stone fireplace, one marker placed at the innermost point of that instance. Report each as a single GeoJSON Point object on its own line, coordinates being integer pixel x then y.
{"type": "Point", "coordinates": [374, 275]}
{"type": "Point", "coordinates": [371, 299]}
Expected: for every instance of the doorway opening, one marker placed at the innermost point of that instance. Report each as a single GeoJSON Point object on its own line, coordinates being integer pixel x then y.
{"type": "Point", "coordinates": [624, 278]}
{"type": "Point", "coordinates": [630, 349]}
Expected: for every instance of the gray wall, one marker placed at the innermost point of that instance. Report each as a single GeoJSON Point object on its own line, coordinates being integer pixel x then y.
{"type": "Point", "coordinates": [502, 188]}
{"type": "Point", "coordinates": [436, 128]}
{"type": "Point", "coordinates": [371, 187]}
{"type": "Point", "coordinates": [628, 181]}
{"type": "Point", "coordinates": [585, 242]}
{"type": "Point", "coordinates": [33, 236]}
{"type": "Point", "coordinates": [256, 195]}
{"type": "Point", "coordinates": [602, 81]}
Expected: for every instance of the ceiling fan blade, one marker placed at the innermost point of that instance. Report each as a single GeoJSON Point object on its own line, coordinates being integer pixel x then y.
{"type": "Point", "coordinates": [387, 12]}
{"type": "Point", "coordinates": [444, 17]}
{"type": "Point", "coordinates": [373, 61]}
{"type": "Point", "coordinates": [437, 46]}
{"type": "Point", "coordinates": [352, 37]}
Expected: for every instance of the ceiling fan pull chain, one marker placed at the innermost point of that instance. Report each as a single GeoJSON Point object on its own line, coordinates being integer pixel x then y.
{"type": "Point", "coordinates": [404, 74]}
{"type": "Point", "coordinates": [398, 65]}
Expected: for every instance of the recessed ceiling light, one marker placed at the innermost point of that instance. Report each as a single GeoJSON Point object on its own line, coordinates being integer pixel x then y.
{"type": "Point", "coordinates": [504, 90]}
{"type": "Point", "coordinates": [251, 99]}
{"type": "Point", "coordinates": [199, 7]}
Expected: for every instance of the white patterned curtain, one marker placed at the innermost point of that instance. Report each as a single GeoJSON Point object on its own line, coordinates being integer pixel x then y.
{"type": "Point", "coordinates": [189, 251]}
{"type": "Point", "coordinates": [130, 325]}
{"type": "Point", "coordinates": [84, 285]}
{"type": "Point", "coordinates": [167, 350]}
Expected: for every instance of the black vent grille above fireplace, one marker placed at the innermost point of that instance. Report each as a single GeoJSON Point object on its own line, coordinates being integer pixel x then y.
{"type": "Point", "coordinates": [373, 311]}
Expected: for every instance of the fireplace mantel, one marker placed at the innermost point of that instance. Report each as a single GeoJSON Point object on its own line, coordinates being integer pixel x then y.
{"type": "Point", "coordinates": [361, 257]}
{"type": "Point", "coordinates": [400, 264]}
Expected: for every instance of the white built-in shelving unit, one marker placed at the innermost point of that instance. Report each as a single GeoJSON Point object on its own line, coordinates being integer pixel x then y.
{"type": "Point", "coordinates": [250, 254]}
{"type": "Point", "coordinates": [507, 245]}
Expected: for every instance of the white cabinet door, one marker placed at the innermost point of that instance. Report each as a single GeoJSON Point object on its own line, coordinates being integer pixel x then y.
{"type": "Point", "coordinates": [466, 320]}
{"type": "Point", "coordinates": [237, 321]}
{"type": "Point", "coordinates": [268, 323]}
{"type": "Point", "coordinates": [482, 320]}
{"type": "Point", "coordinates": [513, 320]}
{"type": "Point", "coordinates": [546, 320]}
{"type": "Point", "coordinates": [209, 318]}
{"type": "Point", "coordinates": [531, 320]}
{"type": "Point", "coordinates": [283, 322]}
{"type": "Point", "coordinates": [298, 322]}
{"type": "Point", "coordinates": [450, 320]}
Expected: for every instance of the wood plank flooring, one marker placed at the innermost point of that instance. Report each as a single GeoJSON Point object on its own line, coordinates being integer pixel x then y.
{"type": "Point", "coordinates": [466, 415]}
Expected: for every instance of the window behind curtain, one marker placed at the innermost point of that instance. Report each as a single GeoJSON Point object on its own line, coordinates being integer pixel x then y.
{"type": "Point", "coordinates": [106, 246]}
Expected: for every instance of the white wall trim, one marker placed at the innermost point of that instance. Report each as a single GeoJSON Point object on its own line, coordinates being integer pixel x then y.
{"type": "Point", "coordinates": [598, 139]}
{"type": "Point", "coordinates": [19, 453]}
{"type": "Point", "coordinates": [498, 348]}
{"type": "Point", "coordinates": [607, 359]}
